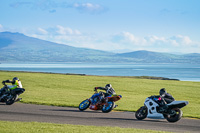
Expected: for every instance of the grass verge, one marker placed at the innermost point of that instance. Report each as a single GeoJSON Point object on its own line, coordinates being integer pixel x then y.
{"type": "Point", "coordinates": [70, 90]}
{"type": "Point", "coordinates": [35, 127]}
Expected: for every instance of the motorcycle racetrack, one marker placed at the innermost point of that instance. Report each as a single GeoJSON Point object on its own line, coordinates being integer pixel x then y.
{"type": "Point", "coordinates": [67, 115]}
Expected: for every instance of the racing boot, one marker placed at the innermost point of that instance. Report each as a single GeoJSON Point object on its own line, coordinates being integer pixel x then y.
{"type": "Point", "coordinates": [19, 99]}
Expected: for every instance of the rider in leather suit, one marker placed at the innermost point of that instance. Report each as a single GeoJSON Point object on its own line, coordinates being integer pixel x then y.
{"type": "Point", "coordinates": [109, 91]}
{"type": "Point", "coordinates": [166, 98]}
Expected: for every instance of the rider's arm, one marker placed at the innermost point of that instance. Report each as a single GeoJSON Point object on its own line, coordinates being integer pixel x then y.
{"type": "Point", "coordinates": [168, 98]}
{"type": "Point", "coordinates": [156, 96]}
{"type": "Point", "coordinates": [101, 88]}
{"type": "Point", "coordinates": [7, 81]}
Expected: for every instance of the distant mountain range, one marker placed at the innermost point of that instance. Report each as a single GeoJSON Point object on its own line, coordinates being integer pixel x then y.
{"type": "Point", "coordinates": [16, 47]}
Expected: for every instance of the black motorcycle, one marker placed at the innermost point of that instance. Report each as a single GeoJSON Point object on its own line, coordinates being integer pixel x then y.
{"type": "Point", "coordinates": [9, 96]}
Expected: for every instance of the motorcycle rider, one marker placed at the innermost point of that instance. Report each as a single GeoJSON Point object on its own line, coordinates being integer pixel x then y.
{"type": "Point", "coordinates": [109, 91]}
{"type": "Point", "coordinates": [166, 98]}
{"type": "Point", "coordinates": [16, 85]}
{"type": "Point", "coordinates": [108, 88]}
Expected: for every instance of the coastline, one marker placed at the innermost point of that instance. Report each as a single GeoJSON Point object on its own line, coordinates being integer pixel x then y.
{"type": "Point", "coordinates": [181, 72]}
{"type": "Point", "coordinates": [138, 77]}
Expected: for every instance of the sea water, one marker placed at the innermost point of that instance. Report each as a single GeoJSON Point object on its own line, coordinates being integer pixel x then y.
{"type": "Point", "coordinates": [183, 72]}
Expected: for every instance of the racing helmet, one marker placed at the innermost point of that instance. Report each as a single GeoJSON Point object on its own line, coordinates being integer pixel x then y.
{"type": "Point", "coordinates": [108, 86]}
{"type": "Point", "coordinates": [15, 78]}
{"type": "Point", "coordinates": [162, 92]}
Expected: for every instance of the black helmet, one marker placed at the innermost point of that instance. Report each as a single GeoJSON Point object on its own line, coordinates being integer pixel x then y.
{"type": "Point", "coordinates": [15, 78]}
{"type": "Point", "coordinates": [163, 91]}
{"type": "Point", "coordinates": [108, 86]}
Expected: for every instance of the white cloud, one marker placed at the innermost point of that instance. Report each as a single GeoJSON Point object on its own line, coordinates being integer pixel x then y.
{"type": "Point", "coordinates": [154, 39]}
{"type": "Point", "coordinates": [67, 31]}
{"type": "Point", "coordinates": [42, 31]}
{"type": "Point", "coordinates": [187, 40]}
{"type": "Point", "coordinates": [127, 38]}
{"type": "Point", "coordinates": [51, 6]}
{"type": "Point", "coordinates": [176, 43]}
{"type": "Point", "coordinates": [90, 8]}
{"type": "Point", "coordinates": [130, 37]}
{"type": "Point", "coordinates": [63, 31]}
{"type": "Point", "coordinates": [179, 40]}
{"type": "Point", "coordinates": [63, 35]}
{"type": "Point", "coordinates": [124, 41]}
{"type": "Point", "coordinates": [77, 32]}
{"type": "Point", "coordinates": [1, 27]}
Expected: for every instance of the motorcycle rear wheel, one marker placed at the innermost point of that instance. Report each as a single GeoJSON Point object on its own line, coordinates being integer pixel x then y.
{"type": "Point", "coordinates": [108, 107]}
{"type": "Point", "coordinates": [175, 117]}
{"type": "Point", "coordinates": [11, 100]}
{"type": "Point", "coordinates": [84, 105]}
{"type": "Point", "coordinates": [141, 113]}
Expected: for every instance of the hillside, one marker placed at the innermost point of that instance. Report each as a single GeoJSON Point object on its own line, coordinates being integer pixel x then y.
{"type": "Point", "coordinates": [156, 57]}
{"type": "Point", "coordinates": [16, 47]}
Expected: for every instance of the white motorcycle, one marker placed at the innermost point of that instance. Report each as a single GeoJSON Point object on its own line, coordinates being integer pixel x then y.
{"type": "Point", "coordinates": [152, 109]}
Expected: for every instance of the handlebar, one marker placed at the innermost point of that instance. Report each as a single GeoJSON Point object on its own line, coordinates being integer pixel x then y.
{"type": "Point", "coordinates": [4, 84]}
{"type": "Point", "coordinates": [156, 96]}
{"type": "Point", "coordinates": [159, 98]}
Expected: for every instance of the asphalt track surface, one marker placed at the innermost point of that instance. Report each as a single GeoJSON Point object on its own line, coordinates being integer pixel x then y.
{"type": "Point", "coordinates": [67, 115]}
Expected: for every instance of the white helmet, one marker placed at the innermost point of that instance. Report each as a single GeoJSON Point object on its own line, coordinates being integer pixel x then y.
{"type": "Point", "coordinates": [109, 88]}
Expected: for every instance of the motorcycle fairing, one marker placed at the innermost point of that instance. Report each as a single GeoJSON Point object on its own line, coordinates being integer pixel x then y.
{"type": "Point", "coordinates": [94, 99]}
{"type": "Point", "coordinates": [114, 97]}
{"type": "Point", "coordinates": [93, 107]}
{"type": "Point", "coordinates": [177, 104]}
{"type": "Point", "coordinates": [152, 109]}
{"type": "Point", "coordinates": [95, 95]}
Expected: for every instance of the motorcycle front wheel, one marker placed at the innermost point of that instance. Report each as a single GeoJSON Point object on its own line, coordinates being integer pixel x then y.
{"type": "Point", "coordinates": [108, 107]}
{"type": "Point", "coordinates": [141, 113]}
{"type": "Point", "coordinates": [11, 100]}
{"type": "Point", "coordinates": [84, 105]}
{"type": "Point", "coordinates": [174, 117]}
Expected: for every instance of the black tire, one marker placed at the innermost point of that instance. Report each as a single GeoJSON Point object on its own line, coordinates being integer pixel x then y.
{"type": "Point", "coordinates": [11, 100]}
{"type": "Point", "coordinates": [176, 117]}
{"type": "Point", "coordinates": [84, 105]}
{"type": "Point", "coordinates": [141, 113]}
{"type": "Point", "coordinates": [108, 107]}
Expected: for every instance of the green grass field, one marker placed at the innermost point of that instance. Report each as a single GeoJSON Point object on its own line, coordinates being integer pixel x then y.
{"type": "Point", "coordinates": [35, 127]}
{"type": "Point", "coordinates": [70, 90]}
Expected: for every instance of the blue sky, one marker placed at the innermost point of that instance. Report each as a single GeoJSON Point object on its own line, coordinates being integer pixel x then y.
{"type": "Point", "coordinates": [112, 25]}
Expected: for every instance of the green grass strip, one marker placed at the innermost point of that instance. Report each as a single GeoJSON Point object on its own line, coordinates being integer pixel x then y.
{"type": "Point", "coordinates": [37, 127]}
{"type": "Point", "coordinates": [70, 90]}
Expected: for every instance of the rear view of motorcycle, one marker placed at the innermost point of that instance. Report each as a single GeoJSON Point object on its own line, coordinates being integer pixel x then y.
{"type": "Point", "coordinates": [99, 102]}
{"type": "Point", "coordinates": [152, 109]}
{"type": "Point", "coordinates": [9, 96]}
